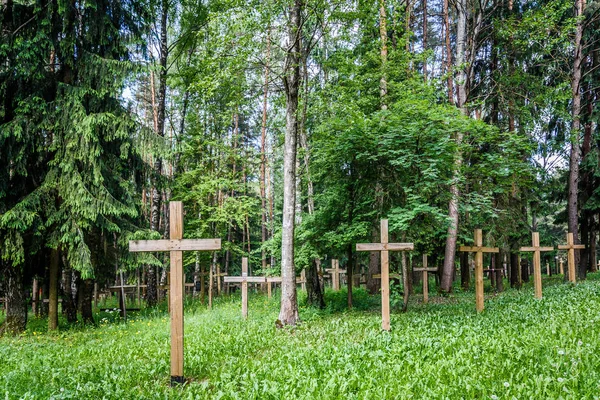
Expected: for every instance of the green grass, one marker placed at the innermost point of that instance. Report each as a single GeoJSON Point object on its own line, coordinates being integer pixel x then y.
{"type": "Point", "coordinates": [518, 348]}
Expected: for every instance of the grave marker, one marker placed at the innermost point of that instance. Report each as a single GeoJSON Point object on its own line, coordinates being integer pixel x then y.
{"type": "Point", "coordinates": [384, 247]}
{"type": "Point", "coordinates": [537, 267]}
{"type": "Point", "coordinates": [426, 272]}
{"type": "Point", "coordinates": [176, 245]}
{"type": "Point", "coordinates": [335, 272]}
{"type": "Point", "coordinates": [478, 249]}
{"type": "Point", "coordinates": [570, 247]}
{"type": "Point", "coordinates": [244, 279]}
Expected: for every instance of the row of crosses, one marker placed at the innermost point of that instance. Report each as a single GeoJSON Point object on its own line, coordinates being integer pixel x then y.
{"type": "Point", "coordinates": [176, 245]}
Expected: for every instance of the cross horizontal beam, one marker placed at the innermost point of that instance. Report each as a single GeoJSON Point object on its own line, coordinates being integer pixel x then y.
{"type": "Point", "coordinates": [241, 279]}
{"type": "Point", "coordinates": [392, 275]}
{"type": "Point", "coordinates": [530, 249]}
{"type": "Point", "coordinates": [477, 249]}
{"type": "Point", "coordinates": [425, 269]}
{"type": "Point", "coordinates": [174, 245]}
{"type": "Point", "coordinates": [570, 246]}
{"type": "Point", "coordinates": [384, 246]}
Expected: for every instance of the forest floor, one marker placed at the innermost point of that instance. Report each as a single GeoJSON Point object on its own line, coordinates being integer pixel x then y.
{"type": "Point", "coordinates": [517, 348]}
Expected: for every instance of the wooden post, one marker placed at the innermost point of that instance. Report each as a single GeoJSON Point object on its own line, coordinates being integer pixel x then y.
{"type": "Point", "coordinates": [176, 293]}
{"type": "Point", "coordinates": [176, 245]}
{"type": "Point", "coordinates": [537, 261]}
{"type": "Point", "coordinates": [245, 287]}
{"type": "Point", "coordinates": [426, 272]}
{"type": "Point", "coordinates": [385, 247]}
{"type": "Point", "coordinates": [570, 247]}
{"type": "Point", "coordinates": [561, 265]}
{"type": "Point", "coordinates": [478, 249]}
{"type": "Point", "coordinates": [303, 279]}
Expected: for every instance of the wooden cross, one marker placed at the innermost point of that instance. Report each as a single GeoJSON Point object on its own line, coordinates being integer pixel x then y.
{"type": "Point", "coordinates": [176, 245]}
{"type": "Point", "coordinates": [425, 271]}
{"type": "Point", "coordinates": [478, 249]}
{"type": "Point", "coordinates": [384, 247]}
{"type": "Point", "coordinates": [277, 279]}
{"type": "Point", "coordinates": [570, 247]}
{"type": "Point", "coordinates": [537, 267]}
{"type": "Point", "coordinates": [244, 279]}
{"type": "Point", "coordinates": [335, 272]}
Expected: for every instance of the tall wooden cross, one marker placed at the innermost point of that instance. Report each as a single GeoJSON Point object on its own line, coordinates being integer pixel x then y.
{"type": "Point", "coordinates": [335, 272]}
{"type": "Point", "coordinates": [426, 272]}
{"type": "Point", "coordinates": [176, 245]}
{"type": "Point", "coordinates": [244, 279]}
{"type": "Point", "coordinates": [570, 247]}
{"type": "Point", "coordinates": [537, 262]}
{"type": "Point", "coordinates": [384, 247]}
{"type": "Point", "coordinates": [478, 249]}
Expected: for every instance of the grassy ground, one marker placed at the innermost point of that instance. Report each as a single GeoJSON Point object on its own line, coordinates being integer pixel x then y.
{"type": "Point", "coordinates": [518, 348]}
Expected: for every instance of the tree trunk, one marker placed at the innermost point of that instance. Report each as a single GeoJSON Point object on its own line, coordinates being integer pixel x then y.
{"type": "Point", "coordinates": [374, 285]}
{"type": "Point", "coordinates": [53, 293]}
{"type": "Point", "coordinates": [288, 314]}
{"type": "Point", "coordinates": [575, 156]}
{"type": "Point", "coordinates": [87, 296]}
{"type": "Point", "coordinates": [515, 275]}
{"type": "Point", "coordinates": [68, 299]}
{"type": "Point", "coordinates": [524, 270]}
{"type": "Point", "coordinates": [16, 302]}
{"type": "Point", "coordinates": [498, 265]}
{"type": "Point", "coordinates": [425, 39]}
{"type": "Point", "coordinates": [151, 289]}
{"type": "Point", "coordinates": [314, 292]}
{"type": "Point", "coordinates": [465, 273]}
{"type": "Point", "coordinates": [383, 54]}
{"type": "Point", "coordinates": [263, 155]}
{"type": "Point", "coordinates": [450, 251]}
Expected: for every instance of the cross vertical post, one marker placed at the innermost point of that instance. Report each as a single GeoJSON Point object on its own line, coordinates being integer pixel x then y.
{"type": "Point", "coordinates": [176, 295]}
{"type": "Point", "coordinates": [537, 262]}
{"type": "Point", "coordinates": [570, 247]}
{"type": "Point", "coordinates": [385, 278]}
{"type": "Point", "coordinates": [478, 249]}
{"type": "Point", "coordinates": [245, 287]}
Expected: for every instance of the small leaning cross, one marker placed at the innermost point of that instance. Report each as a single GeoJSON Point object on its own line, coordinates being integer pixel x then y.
{"type": "Point", "coordinates": [176, 245]}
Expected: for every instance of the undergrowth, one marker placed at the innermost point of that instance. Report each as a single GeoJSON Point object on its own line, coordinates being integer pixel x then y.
{"type": "Point", "coordinates": [517, 348]}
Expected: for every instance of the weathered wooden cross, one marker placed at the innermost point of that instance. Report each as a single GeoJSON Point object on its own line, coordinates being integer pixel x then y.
{"type": "Point", "coordinates": [537, 267]}
{"type": "Point", "coordinates": [335, 272]}
{"type": "Point", "coordinates": [244, 279]}
{"type": "Point", "coordinates": [176, 245]}
{"type": "Point", "coordinates": [478, 249]}
{"type": "Point", "coordinates": [426, 272]}
{"type": "Point", "coordinates": [384, 247]}
{"type": "Point", "coordinates": [570, 247]}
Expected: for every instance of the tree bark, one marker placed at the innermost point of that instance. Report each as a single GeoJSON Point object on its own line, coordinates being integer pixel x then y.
{"type": "Point", "coordinates": [314, 291]}
{"type": "Point", "coordinates": [425, 39]}
{"type": "Point", "coordinates": [465, 273]}
{"type": "Point", "coordinates": [53, 293]}
{"type": "Point", "coordinates": [87, 296]}
{"type": "Point", "coordinates": [575, 156]}
{"type": "Point", "coordinates": [288, 314]}
{"type": "Point", "coordinates": [263, 154]}
{"type": "Point", "coordinates": [16, 302]}
{"type": "Point", "coordinates": [383, 54]}
{"type": "Point", "coordinates": [151, 289]}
